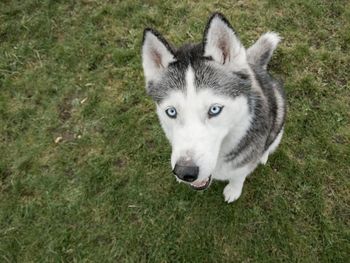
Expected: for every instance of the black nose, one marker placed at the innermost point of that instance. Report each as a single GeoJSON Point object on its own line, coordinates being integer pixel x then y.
{"type": "Point", "coordinates": [186, 173]}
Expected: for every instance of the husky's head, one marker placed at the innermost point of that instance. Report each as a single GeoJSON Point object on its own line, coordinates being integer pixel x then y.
{"type": "Point", "coordinates": [202, 93]}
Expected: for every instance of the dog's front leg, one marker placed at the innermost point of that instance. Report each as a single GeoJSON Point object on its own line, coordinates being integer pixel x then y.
{"type": "Point", "coordinates": [233, 189]}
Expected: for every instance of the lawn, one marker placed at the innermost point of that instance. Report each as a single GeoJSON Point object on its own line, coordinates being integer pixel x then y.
{"type": "Point", "coordinates": [85, 167]}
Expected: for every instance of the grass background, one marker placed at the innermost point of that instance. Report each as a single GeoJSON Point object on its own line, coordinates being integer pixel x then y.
{"type": "Point", "coordinates": [105, 193]}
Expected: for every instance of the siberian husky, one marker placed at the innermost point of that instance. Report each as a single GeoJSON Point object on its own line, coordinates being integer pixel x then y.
{"type": "Point", "coordinates": [220, 109]}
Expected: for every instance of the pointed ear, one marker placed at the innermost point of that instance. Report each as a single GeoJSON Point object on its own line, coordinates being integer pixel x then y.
{"type": "Point", "coordinates": [222, 44]}
{"type": "Point", "coordinates": [156, 54]}
{"type": "Point", "coordinates": [260, 53]}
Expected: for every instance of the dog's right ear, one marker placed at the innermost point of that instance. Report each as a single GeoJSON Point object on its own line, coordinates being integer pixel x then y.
{"type": "Point", "coordinates": [156, 54]}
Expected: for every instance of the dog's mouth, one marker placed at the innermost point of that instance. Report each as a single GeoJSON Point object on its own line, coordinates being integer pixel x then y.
{"type": "Point", "coordinates": [201, 185]}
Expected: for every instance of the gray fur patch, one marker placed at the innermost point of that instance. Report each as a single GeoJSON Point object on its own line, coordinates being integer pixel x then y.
{"type": "Point", "coordinates": [208, 74]}
{"type": "Point", "coordinates": [252, 144]}
{"type": "Point", "coordinates": [264, 128]}
{"type": "Point", "coordinates": [172, 79]}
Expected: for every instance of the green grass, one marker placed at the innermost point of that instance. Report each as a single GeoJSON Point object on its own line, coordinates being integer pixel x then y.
{"type": "Point", "coordinates": [105, 193]}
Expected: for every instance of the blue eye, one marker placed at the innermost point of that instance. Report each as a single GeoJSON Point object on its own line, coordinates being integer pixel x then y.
{"type": "Point", "coordinates": [171, 112]}
{"type": "Point", "coordinates": [215, 110]}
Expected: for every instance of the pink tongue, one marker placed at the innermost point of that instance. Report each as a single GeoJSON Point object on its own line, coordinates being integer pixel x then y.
{"type": "Point", "coordinates": [200, 183]}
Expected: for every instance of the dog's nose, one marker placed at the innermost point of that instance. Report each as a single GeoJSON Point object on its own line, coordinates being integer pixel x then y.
{"type": "Point", "coordinates": [188, 173]}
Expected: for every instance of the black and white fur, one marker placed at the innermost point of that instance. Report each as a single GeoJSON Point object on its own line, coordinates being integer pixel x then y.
{"type": "Point", "coordinates": [188, 84]}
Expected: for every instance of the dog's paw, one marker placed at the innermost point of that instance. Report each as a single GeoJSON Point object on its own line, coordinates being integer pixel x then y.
{"type": "Point", "coordinates": [232, 192]}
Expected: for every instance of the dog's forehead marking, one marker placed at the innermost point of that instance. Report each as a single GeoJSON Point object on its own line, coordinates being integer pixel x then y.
{"type": "Point", "coordinates": [193, 73]}
{"type": "Point", "coordinates": [190, 83]}
{"type": "Point", "coordinates": [193, 95]}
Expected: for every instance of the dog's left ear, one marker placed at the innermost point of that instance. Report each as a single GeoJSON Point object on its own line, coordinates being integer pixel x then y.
{"type": "Point", "coordinates": [157, 54]}
{"type": "Point", "coordinates": [221, 43]}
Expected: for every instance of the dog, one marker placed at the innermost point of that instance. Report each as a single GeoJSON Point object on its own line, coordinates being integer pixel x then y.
{"type": "Point", "coordinates": [220, 109]}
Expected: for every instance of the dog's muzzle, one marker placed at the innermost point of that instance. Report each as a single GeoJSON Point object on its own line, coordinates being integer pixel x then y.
{"type": "Point", "coordinates": [201, 185]}
{"type": "Point", "coordinates": [187, 173]}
